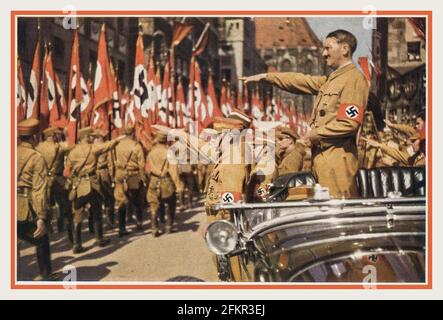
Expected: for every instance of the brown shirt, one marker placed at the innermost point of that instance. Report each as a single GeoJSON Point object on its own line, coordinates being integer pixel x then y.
{"type": "Point", "coordinates": [344, 87]}
{"type": "Point", "coordinates": [82, 159]}
{"type": "Point", "coordinates": [32, 173]}
{"type": "Point", "coordinates": [54, 155]}
{"type": "Point", "coordinates": [292, 160]}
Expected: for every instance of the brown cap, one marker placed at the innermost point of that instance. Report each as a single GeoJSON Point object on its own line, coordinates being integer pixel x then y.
{"type": "Point", "coordinates": [48, 132]}
{"type": "Point", "coordinates": [221, 123]}
{"type": "Point", "coordinates": [28, 127]}
{"type": "Point", "coordinates": [287, 133]}
{"type": "Point", "coordinates": [240, 115]}
{"type": "Point", "coordinates": [84, 132]}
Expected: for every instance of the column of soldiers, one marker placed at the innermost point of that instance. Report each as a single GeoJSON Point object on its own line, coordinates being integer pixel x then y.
{"type": "Point", "coordinates": [93, 178]}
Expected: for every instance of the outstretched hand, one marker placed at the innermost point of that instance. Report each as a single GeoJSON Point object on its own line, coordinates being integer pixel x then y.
{"type": "Point", "coordinates": [254, 78]}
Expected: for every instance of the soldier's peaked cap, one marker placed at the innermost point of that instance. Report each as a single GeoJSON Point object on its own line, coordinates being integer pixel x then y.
{"type": "Point", "coordinates": [28, 127]}
{"type": "Point", "coordinates": [51, 131]}
{"type": "Point", "coordinates": [287, 133]}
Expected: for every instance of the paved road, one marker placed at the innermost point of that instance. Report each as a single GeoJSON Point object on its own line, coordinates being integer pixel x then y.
{"type": "Point", "coordinates": [137, 257]}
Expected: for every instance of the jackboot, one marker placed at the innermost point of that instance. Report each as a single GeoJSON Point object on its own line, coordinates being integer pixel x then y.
{"type": "Point", "coordinates": [110, 217]}
{"type": "Point", "coordinates": [44, 258]}
{"type": "Point", "coordinates": [181, 197]}
{"type": "Point", "coordinates": [98, 226]}
{"type": "Point", "coordinates": [78, 248]}
{"type": "Point", "coordinates": [154, 225]}
{"type": "Point", "coordinates": [139, 217]}
{"type": "Point", "coordinates": [122, 222]}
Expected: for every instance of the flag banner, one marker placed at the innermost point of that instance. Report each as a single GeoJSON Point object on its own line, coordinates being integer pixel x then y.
{"type": "Point", "coordinates": [20, 103]}
{"type": "Point", "coordinates": [34, 89]}
{"type": "Point", "coordinates": [103, 80]}
{"type": "Point", "coordinates": [140, 93]}
{"type": "Point", "coordinates": [180, 31]}
{"type": "Point", "coordinates": [75, 95]}
{"type": "Point", "coordinates": [180, 107]}
{"type": "Point", "coordinates": [213, 108]}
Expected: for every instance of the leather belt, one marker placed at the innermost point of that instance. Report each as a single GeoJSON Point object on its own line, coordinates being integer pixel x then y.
{"type": "Point", "coordinates": [23, 191]}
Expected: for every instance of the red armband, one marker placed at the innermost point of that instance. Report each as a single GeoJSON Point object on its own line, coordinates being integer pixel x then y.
{"type": "Point", "coordinates": [350, 111]}
{"type": "Point", "coordinates": [230, 197]}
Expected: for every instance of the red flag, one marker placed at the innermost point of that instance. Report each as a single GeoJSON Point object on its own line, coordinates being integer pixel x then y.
{"type": "Point", "coordinates": [257, 106]}
{"type": "Point", "coordinates": [20, 103]}
{"type": "Point", "coordinates": [158, 95]}
{"type": "Point", "coordinates": [163, 106]}
{"type": "Point", "coordinates": [34, 79]}
{"type": "Point", "coordinates": [180, 107]}
{"type": "Point", "coordinates": [152, 89]}
{"type": "Point", "coordinates": [180, 31]}
{"type": "Point", "coordinates": [114, 107]}
{"type": "Point", "coordinates": [75, 95]}
{"type": "Point", "coordinates": [140, 91]}
{"type": "Point", "coordinates": [48, 101]}
{"type": "Point", "coordinates": [213, 108]}
{"type": "Point", "coordinates": [191, 89]}
{"type": "Point", "coordinates": [364, 64]}
{"type": "Point", "coordinates": [103, 81]}
{"type": "Point", "coordinates": [200, 102]}
{"type": "Point", "coordinates": [224, 104]}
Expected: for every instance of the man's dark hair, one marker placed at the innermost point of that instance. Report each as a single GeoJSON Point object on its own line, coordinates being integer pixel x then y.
{"type": "Point", "coordinates": [344, 36]}
{"type": "Point", "coordinates": [422, 115]}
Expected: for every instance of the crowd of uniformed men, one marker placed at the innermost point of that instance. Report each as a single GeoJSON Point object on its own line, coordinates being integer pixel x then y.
{"type": "Point", "coordinates": [113, 180]}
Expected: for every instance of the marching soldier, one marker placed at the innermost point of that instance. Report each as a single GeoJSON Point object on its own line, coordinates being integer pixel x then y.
{"type": "Point", "coordinates": [32, 195]}
{"type": "Point", "coordinates": [54, 153]}
{"type": "Point", "coordinates": [129, 179]}
{"type": "Point", "coordinates": [292, 153]}
{"type": "Point", "coordinates": [105, 175]}
{"type": "Point", "coordinates": [337, 113]}
{"type": "Point", "coordinates": [162, 183]}
{"type": "Point", "coordinates": [81, 166]}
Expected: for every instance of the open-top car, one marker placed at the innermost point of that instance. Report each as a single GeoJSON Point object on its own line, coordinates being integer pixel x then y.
{"type": "Point", "coordinates": [381, 235]}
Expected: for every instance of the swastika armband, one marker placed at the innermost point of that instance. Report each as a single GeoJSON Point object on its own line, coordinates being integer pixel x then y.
{"type": "Point", "coordinates": [230, 197]}
{"type": "Point", "coordinates": [350, 111]}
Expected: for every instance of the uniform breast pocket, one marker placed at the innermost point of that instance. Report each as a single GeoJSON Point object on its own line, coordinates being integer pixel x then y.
{"type": "Point", "coordinates": [330, 101]}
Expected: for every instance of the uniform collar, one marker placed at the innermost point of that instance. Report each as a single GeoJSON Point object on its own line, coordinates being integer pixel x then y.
{"type": "Point", "coordinates": [348, 67]}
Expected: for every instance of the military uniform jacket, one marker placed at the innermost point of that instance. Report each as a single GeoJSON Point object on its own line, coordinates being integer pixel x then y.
{"type": "Point", "coordinates": [129, 159]}
{"type": "Point", "coordinates": [292, 160]}
{"type": "Point", "coordinates": [403, 157]}
{"type": "Point", "coordinates": [164, 175]}
{"type": "Point", "coordinates": [82, 164]}
{"type": "Point", "coordinates": [339, 106]}
{"type": "Point", "coordinates": [32, 172]}
{"type": "Point", "coordinates": [228, 179]}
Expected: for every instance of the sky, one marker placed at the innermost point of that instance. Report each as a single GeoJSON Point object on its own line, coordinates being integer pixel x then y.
{"type": "Point", "coordinates": [322, 26]}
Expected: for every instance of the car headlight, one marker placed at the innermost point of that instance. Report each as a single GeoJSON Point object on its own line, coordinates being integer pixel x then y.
{"type": "Point", "coordinates": [221, 237]}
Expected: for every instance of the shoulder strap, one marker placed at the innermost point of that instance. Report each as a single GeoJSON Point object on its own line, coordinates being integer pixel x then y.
{"type": "Point", "coordinates": [57, 148]}
{"type": "Point", "coordinates": [84, 161]}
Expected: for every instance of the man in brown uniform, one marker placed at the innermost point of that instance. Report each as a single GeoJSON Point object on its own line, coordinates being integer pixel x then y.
{"type": "Point", "coordinates": [105, 173]}
{"type": "Point", "coordinates": [228, 180]}
{"type": "Point", "coordinates": [337, 113]}
{"type": "Point", "coordinates": [32, 195]}
{"type": "Point", "coordinates": [293, 153]}
{"type": "Point", "coordinates": [81, 166]}
{"type": "Point", "coordinates": [162, 183]}
{"type": "Point", "coordinates": [54, 153]}
{"type": "Point", "coordinates": [129, 178]}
